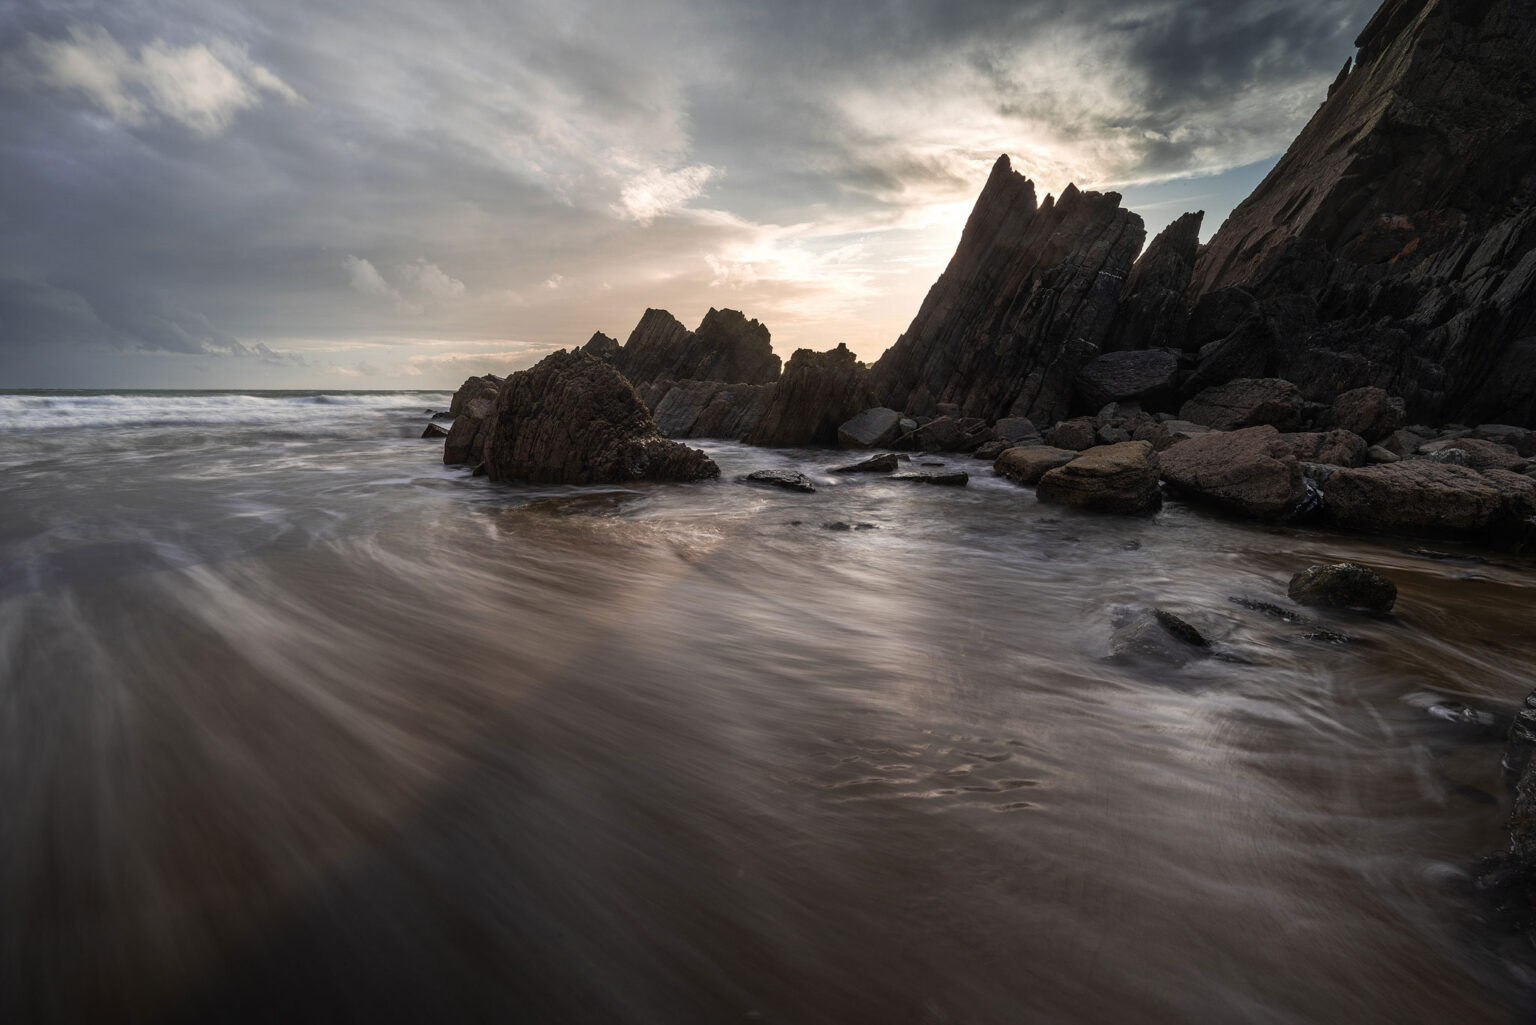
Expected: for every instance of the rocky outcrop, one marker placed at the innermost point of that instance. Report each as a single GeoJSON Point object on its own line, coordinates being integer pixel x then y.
{"type": "Point", "coordinates": [1026, 300]}
{"type": "Point", "coordinates": [1418, 496]}
{"type": "Point", "coordinates": [818, 393]}
{"type": "Point", "coordinates": [1368, 412]}
{"type": "Point", "coordinates": [789, 480]}
{"type": "Point", "coordinates": [725, 347]}
{"type": "Point", "coordinates": [1394, 245]}
{"type": "Point", "coordinates": [471, 409]}
{"type": "Point", "coordinates": [1344, 585]}
{"type": "Point", "coordinates": [886, 462]}
{"type": "Point", "coordinates": [1252, 471]}
{"type": "Point", "coordinates": [1154, 310]}
{"type": "Point", "coordinates": [1111, 478]}
{"type": "Point", "coordinates": [482, 388]}
{"type": "Point", "coordinates": [573, 419]}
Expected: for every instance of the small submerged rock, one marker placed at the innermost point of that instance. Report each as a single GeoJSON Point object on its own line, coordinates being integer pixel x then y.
{"type": "Point", "coordinates": [791, 480]}
{"type": "Point", "coordinates": [957, 479]}
{"type": "Point", "coordinates": [435, 430]}
{"type": "Point", "coordinates": [1345, 585]}
{"type": "Point", "coordinates": [842, 525]}
{"type": "Point", "coordinates": [884, 463]}
{"type": "Point", "coordinates": [1157, 635]}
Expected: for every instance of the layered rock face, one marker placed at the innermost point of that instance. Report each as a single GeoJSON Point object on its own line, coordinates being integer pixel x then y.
{"type": "Point", "coordinates": [1025, 302]}
{"type": "Point", "coordinates": [1394, 245]}
{"type": "Point", "coordinates": [1155, 306]}
{"type": "Point", "coordinates": [573, 419]}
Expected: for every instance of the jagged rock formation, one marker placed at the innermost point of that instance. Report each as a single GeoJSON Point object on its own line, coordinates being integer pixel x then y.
{"type": "Point", "coordinates": [818, 392]}
{"type": "Point", "coordinates": [725, 347]}
{"type": "Point", "coordinates": [573, 419]}
{"type": "Point", "coordinates": [1394, 244]}
{"type": "Point", "coordinates": [1026, 301]}
{"type": "Point", "coordinates": [1155, 307]}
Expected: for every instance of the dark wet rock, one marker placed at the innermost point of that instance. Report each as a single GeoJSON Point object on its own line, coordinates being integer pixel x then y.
{"type": "Point", "coordinates": [1112, 435]}
{"type": "Point", "coordinates": [1336, 447]}
{"type": "Point", "coordinates": [1323, 636]}
{"type": "Point", "coordinates": [790, 480]}
{"type": "Point", "coordinates": [1377, 454]}
{"type": "Point", "coordinates": [1078, 435]}
{"type": "Point", "coordinates": [475, 403]}
{"type": "Point", "coordinates": [1148, 376]}
{"type": "Point", "coordinates": [434, 430]}
{"type": "Point", "coordinates": [1245, 402]}
{"type": "Point", "coordinates": [707, 409]}
{"type": "Point", "coordinates": [1343, 585]}
{"type": "Point", "coordinates": [877, 427]}
{"type": "Point", "coordinates": [1420, 496]}
{"type": "Point", "coordinates": [1026, 301]}
{"type": "Point", "coordinates": [442, 414]}
{"type": "Point", "coordinates": [574, 419]}
{"type": "Point", "coordinates": [949, 434]}
{"type": "Point", "coordinates": [1112, 479]}
{"type": "Point", "coordinates": [1270, 609]}
{"type": "Point", "coordinates": [1369, 412]}
{"type": "Point", "coordinates": [1478, 454]}
{"type": "Point", "coordinates": [956, 479]}
{"type": "Point", "coordinates": [842, 525]}
{"type": "Point", "coordinates": [1520, 439]}
{"type": "Point", "coordinates": [1155, 635]}
{"type": "Point", "coordinates": [1319, 473]}
{"type": "Point", "coordinates": [726, 347]}
{"type": "Point", "coordinates": [1017, 430]}
{"type": "Point", "coordinates": [990, 450]}
{"type": "Point", "coordinates": [884, 463]}
{"type": "Point", "coordinates": [1450, 457]}
{"type": "Point", "coordinates": [818, 392]}
{"type": "Point", "coordinates": [1253, 471]}
{"type": "Point", "coordinates": [1154, 308]}
{"type": "Point", "coordinates": [1028, 464]}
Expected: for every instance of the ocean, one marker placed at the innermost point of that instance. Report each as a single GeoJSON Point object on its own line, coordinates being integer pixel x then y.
{"type": "Point", "coordinates": [297, 723]}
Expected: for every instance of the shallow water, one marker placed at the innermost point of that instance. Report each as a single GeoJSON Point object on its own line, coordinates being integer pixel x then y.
{"type": "Point", "coordinates": [298, 723]}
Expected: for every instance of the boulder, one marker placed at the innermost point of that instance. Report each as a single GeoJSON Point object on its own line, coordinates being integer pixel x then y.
{"type": "Point", "coordinates": [873, 428]}
{"type": "Point", "coordinates": [1017, 430]}
{"type": "Point", "coordinates": [1026, 300]}
{"type": "Point", "coordinates": [1026, 465]}
{"type": "Point", "coordinates": [790, 480]}
{"type": "Point", "coordinates": [1148, 376]}
{"type": "Point", "coordinates": [1111, 478]}
{"type": "Point", "coordinates": [1478, 454]}
{"type": "Point", "coordinates": [885, 463]}
{"type": "Point", "coordinates": [1378, 454]}
{"type": "Point", "coordinates": [1369, 412]}
{"type": "Point", "coordinates": [1252, 471]}
{"type": "Point", "coordinates": [574, 419]}
{"type": "Point", "coordinates": [484, 387]}
{"type": "Point", "coordinates": [1420, 496]}
{"type": "Point", "coordinates": [818, 392]}
{"type": "Point", "coordinates": [949, 434]}
{"type": "Point", "coordinates": [1336, 447]}
{"type": "Point", "coordinates": [476, 401]}
{"type": "Point", "coordinates": [992, 449]}
{"type": "Point", "coordinates": [435, 430]}
{"type": "Point", "coordinates": [1343, 585]}
{"type": "Point", "coordinates": [1078, 435]}
{"type": "Point", "coordinates": [1245, 402]}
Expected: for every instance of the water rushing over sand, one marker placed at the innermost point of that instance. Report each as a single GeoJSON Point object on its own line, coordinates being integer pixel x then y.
{"type": "Point", "coordinates": [296, 722]}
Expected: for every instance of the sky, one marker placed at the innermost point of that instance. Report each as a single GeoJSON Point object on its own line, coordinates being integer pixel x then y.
{"type": "Point", "coordinates": [392, 194]}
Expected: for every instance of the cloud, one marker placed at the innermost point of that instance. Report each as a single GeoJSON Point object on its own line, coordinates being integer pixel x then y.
{"type": "Point", "coordinates": [431, 280]}
{"type": "Point", "coordinates": [656, 192]}
{"type": "Point", "coordinates": [202, 85]}
{"type": "Point", "coordinates": [552, 282]}
{"type": "Point", "coordinates": [365, 277]}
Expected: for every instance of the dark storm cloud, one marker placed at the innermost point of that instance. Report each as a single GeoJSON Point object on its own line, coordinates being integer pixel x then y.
{"type": "Point", "coordinates": [397, 186]}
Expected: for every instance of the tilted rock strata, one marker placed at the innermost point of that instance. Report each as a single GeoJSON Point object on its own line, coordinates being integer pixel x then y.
{"type": "Point", "coordinates": [1026, 301]}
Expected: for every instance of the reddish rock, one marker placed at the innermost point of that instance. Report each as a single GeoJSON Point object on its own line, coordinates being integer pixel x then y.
{"type": "Point", "coordinates": [1253, 471]}
{"type": "Point", "coordinates": [1111, 478]}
